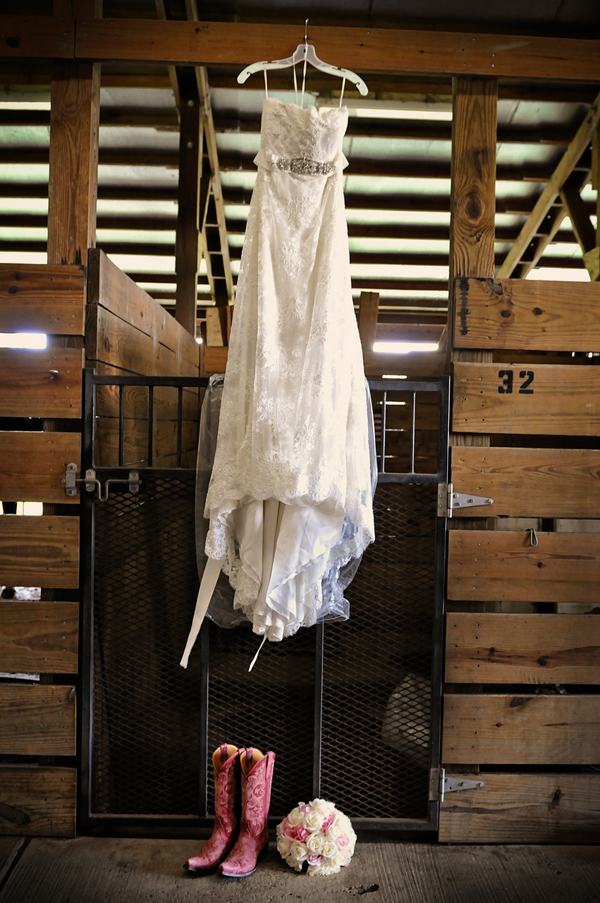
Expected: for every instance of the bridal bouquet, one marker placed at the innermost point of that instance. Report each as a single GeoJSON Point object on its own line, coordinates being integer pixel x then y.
{"type": "Point", "coordinates": [316, 833]}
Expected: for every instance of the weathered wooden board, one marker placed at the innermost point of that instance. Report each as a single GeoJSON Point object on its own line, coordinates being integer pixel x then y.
{"type": "Point", "coordinates": [37, 36]}
{"type": "Point", "coordinates": [499, 729]}
{"type": "Point", "coordinates": [116, 342]}
{"type": "Point", "coordinates": [37, 802]}
{"type": "Point", "coordinates": [516, 398]}
{"type": "Point", "coordinates": [42, 298]}
{"type": "Point", "coordinates": [37, 720]}
{"type": "Point", "coordinates": [522, 648]}
{"type": "Point", "coordinates": [527, 314]}
{"type": "Point", "coordinates": [32, 466]}
{"type": "Point", "coordinates": [523, 808]}
{"type": "Point", "coordinates": [539, 482]}
{"type": "Point", "coordinates": [39, 637]}
{"type": "Point", "coordinates": [364, 50]}
{"type": "Point", "coordinates": [113, 290]}
{"type": "Point", "coordinates": [41, 383]}
{"type": "Point", "coordinates": [490, 566]}
{"type": "Point", "coordinates": [135, 443]}
{"type": "Point", "coordinates": [39, 551]}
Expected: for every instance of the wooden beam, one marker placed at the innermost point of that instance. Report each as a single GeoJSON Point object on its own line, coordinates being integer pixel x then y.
{"type": "Point", "coordinates": [39, 637]}
{"type": "Point", "coordinates": [533, 398]}
{"type": "Point", "coordinates": [523, 808]}
{"type": "Point", "coordinates": [42, 298]}
{"type": "Point", "coordinates": [569, 160]}
{"type": "Point", "coordinates": [503, 566]}
{"type": "Point", "coordinates": [522, 649]}
{"type": "Point", "coordinates": [39, 551]}
{"type": "Point", "coordinates": [37, 720]}
{"type": "Point", "coordinates": [367, 319]}
{"type": "Point", "coordinates": [38, 37]}
{"type": "Point", "coordinates": [361, 49]}
{"type": "Point", "coordinates": [34, 464]}
{"type": "Point", "coordinates": [41, 383]}
{"type": "Point", "coordinates": [526, 314]}
{"type": "Point", "coordinates": [529, 482]}
{"type": "Point", "coordinates": [188, 200]}
{"type": "Point", "coordinates": [521, 730]}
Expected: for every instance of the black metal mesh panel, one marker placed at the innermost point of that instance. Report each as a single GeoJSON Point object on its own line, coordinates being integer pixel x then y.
{"type": "Point", "coordinates": [377, 666]}
{"type": "Point", "coordinates": [146, 727]}
{"type": "Point", "coordinates": [272, 707]}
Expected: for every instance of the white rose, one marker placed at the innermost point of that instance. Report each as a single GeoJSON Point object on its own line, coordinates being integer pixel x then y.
{"type": "Point", "coordinates": [315, 871]}
{"type": "Point", "coordinates": [312, 820]}
{"type": "Point", "coordinates": [333, 831]}
{"type": "Point", "coordinates": [298, 851]}
{"type": "Point", "coordinates": [329, 849]}
{"type": "Point", "coordinates": [315, 842]}
{"type": "Point", "coordinates": [295, 817]}
{"type": "Point", "coordinates": [283, 845]}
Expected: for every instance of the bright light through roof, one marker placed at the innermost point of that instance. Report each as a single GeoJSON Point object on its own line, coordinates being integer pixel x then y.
{"type": "Point", "coordinates": [23, 340]}
{"type": "Point", "coordinates": [403, 347]}
{"type": "Point", "coordinates": [392, 109]}
{"type": "Point", "coordinates": [24, 104]}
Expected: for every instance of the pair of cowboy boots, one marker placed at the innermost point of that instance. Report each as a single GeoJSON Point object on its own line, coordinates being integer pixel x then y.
{"type": "Point", "coordinates": [243, 779]}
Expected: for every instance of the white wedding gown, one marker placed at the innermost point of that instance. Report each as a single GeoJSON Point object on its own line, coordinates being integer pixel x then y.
{"type": "Point", "coordinates": [290, 495]}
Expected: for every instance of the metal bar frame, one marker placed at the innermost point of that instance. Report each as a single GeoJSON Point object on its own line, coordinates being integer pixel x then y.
{"type": "Point", "coordinates": [89, 821]}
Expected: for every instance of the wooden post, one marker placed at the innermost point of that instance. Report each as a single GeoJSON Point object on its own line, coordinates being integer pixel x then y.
{"type": "Point", "coordinates": [74, 123]}
{"type": "Point", "coordinates": [367, 320]}
{"type": "Point", "coordinates": [188, 197]}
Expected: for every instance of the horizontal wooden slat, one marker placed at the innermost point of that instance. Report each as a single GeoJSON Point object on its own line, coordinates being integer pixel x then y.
{"type": "Point", "coordinates": [496, 566]}
{"type": "Point", "coordinates": [503, 729]}
{"type": "Point", "coordinates": [355, 48]}
{"type": "Point", "coordinates": [39, 637]}
{"type": "Point", "coordinates": [114, 341]}
{"type": "Point", "coordinates": [39, 551]}
{"type": "Point", "coordinates": [42, 298]}
{"type": "Point", "coordinates": [41, 383]}
{"type": "Point", "coordinates": [526, 398]}
{"type": "Point", "coordinates": [523, 808]}
{"type": "Point", "coordinates": [32, 466]}
{"type": "Point", "coordinates": [37, 802]}
{"type": "Point", "coordinates": [527, 314]}
{"type": "Point", "coordinates": [537, 482]}
{"type": "Point", "coordinates": [112, 289]}
{"type": "Point", "coordinates": [37, 720]}
{"type": "Point", "coordinates": [520, 649]}
{"type": "Point", "coordinates": [135, 443]}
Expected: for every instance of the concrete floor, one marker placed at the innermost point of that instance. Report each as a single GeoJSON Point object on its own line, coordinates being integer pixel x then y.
{"type": "Point", "coordinates": [108, 870]}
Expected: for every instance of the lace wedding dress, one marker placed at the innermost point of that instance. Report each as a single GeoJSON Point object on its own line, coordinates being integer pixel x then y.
{"type": "Point", "coordinates": [290, 497]}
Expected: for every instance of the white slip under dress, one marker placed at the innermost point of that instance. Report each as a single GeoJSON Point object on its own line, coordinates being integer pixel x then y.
{"type": "Point", "coordinates": [290, 496]}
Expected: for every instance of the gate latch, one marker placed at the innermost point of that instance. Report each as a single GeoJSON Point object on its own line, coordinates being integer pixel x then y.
{"type": "Point", "coordinates": [448, 500]}
{"type": "Point", "coordinates": [71, 479]}
{"type": "Point", "coordinates": [440, 785]}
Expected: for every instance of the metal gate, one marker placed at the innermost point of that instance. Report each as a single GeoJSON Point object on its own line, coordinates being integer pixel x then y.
{"type": "Point", "coordinates": [352, 709]}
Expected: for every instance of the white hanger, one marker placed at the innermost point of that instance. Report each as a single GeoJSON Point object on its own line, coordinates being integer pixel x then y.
{"type": "Point", "coordinates": [304, 53]}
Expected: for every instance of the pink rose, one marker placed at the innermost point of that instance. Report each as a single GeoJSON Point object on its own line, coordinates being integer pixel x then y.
{"type": "Point", "coordinates": [300, 833]}
{"type": "Point", "coordinates": [342, 840]}
{"type": "Point", "coordinates": [313, 859]}
{"type": "Point", "coordinates": [328, 822]}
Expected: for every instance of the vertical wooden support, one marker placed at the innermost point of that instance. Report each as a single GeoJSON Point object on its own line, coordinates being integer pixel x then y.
{"type": "Point", "coordinates": [367, 320]}
{"type": "Point", "coordinates": [188, 198]}
{"type": "Point", "coordinates": [472, 203]}
{"type": "Point", "coordinates": [74, 123]}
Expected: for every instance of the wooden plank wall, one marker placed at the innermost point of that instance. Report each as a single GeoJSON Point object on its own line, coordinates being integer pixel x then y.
{"type": "Point", "coordinates": [127, 332]}
{"type": "Point", "coordinates": [40, 411]}
{"type": "Point", "coordinates": [522, 633]}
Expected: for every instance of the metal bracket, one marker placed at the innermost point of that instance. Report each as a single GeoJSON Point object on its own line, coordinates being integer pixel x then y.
{"type": "Point", "coordinates": [91, 482]}
{"type": "Point", "coordinates": [440, 785]}
{"type": "Point", "coordinates": [448, 500]}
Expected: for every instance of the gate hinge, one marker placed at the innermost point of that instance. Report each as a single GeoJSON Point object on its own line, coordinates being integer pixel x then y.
{"type": "Point", "coordinates": [440, 785]}
{"type": "Point", "coordinates": [71, 479]}
{"type": "Point", "coordinates": [448, 500]}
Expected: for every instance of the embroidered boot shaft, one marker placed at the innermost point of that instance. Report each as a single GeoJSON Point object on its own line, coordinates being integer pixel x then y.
{"type": "Point", "coordinates": [257, 777]}
{"type": "Point", "coordinates": [227, 811]}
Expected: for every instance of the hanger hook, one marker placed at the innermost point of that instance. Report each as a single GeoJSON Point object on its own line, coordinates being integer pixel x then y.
{"type": "Point", "coordinates": [306, 32]}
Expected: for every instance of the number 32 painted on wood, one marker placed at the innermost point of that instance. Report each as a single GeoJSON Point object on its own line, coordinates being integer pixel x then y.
{"type": "Point", "coordinates": [506, 386]}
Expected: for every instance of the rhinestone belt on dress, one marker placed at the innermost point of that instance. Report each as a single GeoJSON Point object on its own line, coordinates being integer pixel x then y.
{"type": "Point", "coordinates": [304, 166]}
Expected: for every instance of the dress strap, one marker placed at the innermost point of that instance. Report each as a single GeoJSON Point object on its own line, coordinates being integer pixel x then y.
{"type": "Point", "coordinates": [266, 85]}
{"type": "Point", "coordinates": [207, 588]}
{"type": "Point", "coordinates": [342, 91]}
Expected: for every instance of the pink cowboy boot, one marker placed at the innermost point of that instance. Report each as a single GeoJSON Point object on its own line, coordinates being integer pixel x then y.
{"type": "Point", "coordinates": [227, 811]}
{"type": "Point", "coordinates": [257, 776]}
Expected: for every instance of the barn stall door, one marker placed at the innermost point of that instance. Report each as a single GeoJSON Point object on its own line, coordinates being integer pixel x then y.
{"type": "Point", "coordinates": [351, 709]}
